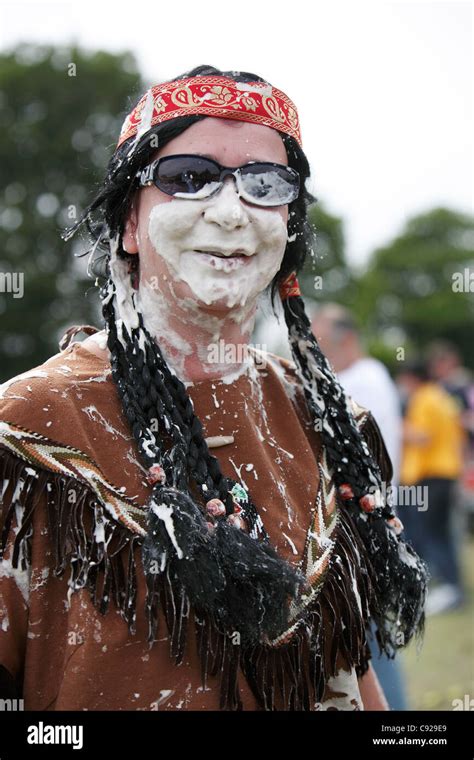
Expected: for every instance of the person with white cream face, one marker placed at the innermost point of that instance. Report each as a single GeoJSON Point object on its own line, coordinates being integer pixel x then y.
{"type": "Point", "coordinates": [205, 257]}
{"type": "Point", "coordinates": [279, 543]}
{"type": "Point", "coordinates": [203, 263]}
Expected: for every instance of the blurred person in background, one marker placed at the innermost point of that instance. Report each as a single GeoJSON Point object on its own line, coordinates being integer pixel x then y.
{"type": "Point", "coordinates": [445, 366]}
{"type": "Point", "coordinates": [432, 461]}
{"type": "Point", "coordinates": [368, 382]}
{"type": "Point", "coordinates": [366, 379]}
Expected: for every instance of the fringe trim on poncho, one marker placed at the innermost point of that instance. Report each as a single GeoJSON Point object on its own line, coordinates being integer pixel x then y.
{"type": "Point", "coordinates": [96, 541]}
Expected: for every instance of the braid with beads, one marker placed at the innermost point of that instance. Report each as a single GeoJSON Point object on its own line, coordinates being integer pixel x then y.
{"type": "Point", "coordinates": [398, 606]}
{"type": "Point", "coordinates": [150, 392]}
{"type": "Point", "coordinates": [347, 451]}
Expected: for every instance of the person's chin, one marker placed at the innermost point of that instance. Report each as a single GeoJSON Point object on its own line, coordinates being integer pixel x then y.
{"type": "Point", "coordinates": [219, 306]}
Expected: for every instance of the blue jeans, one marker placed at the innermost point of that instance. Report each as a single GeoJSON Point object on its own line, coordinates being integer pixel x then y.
{"type": "Point", "coordinates": [431, 532]}
{"type": "Point", "coordinates": [390, 674]}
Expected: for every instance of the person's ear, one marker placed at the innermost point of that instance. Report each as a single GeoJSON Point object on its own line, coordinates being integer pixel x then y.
{"type": "Point", "coordinates": [129, 237]}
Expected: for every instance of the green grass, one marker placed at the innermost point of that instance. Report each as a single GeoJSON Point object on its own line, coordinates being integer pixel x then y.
{"type": "Point", "coordinates": [443, 669]}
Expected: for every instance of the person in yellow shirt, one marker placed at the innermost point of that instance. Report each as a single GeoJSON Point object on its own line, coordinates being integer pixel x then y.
{"type": "Point", "coordinates": [432, 462]}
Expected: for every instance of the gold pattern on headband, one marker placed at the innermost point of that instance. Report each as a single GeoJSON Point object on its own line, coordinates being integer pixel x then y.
{"type": "Point", "coordinates": [255, 102]}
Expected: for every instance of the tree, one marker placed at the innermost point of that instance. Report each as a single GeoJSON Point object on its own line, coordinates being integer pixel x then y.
{"type": "Point", "coordinates": [416, 288]}
{"type": "Point", "coordinates": [326, 275]}
{"type": "Point", "coordinates": [61, 114]}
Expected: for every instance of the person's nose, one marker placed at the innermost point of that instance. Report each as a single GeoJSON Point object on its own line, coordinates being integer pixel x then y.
{"type": "Point", "coordinates": [226, 209]}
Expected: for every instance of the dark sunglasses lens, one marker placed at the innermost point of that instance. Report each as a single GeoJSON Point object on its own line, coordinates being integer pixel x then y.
{"type": "Point", "coordinates": [270, 185]}
{"type": "Point", "coordinates": [185, 175]}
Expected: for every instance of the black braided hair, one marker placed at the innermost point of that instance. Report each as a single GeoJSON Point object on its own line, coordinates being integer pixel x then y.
{"type": "Point", "coordinates": [237, 578]}
{"type": "Point", "coordinates": [346, 449]}
{"type": "Point", "coordinates": [399, 575]}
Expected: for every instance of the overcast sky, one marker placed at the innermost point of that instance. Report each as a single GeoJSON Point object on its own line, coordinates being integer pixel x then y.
{"type": "Point", "coordinates": [384, 89]}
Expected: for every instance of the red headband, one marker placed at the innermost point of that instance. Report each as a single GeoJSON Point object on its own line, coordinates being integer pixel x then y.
{"type": "Point", "coordinates": [256, 102]}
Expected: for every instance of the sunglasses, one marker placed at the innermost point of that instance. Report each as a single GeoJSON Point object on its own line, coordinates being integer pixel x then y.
{"type": "Point", "coordinates": [196, 177]}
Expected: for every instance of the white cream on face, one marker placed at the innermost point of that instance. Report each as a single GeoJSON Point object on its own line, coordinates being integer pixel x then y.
{"type": "Point", "coordinates": [179, 229]}
{"type": "Point", "coordinates": [163, 325]}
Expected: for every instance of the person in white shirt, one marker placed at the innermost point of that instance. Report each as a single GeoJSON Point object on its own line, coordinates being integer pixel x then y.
{"type": "Point", "coordinates": [365, 379]}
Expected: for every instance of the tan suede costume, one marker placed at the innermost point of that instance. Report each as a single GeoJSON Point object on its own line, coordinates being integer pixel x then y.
{"type": "Point", "coordinates": [57, 648]}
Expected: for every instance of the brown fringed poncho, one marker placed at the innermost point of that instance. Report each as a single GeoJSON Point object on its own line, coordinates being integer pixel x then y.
{"type": "Point", "coordinates": [74, 618]}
